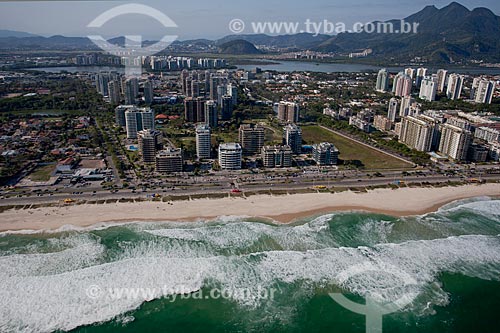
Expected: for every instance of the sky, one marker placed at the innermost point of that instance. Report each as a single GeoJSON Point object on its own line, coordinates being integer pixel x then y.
{"type": "Point", "coordinates": [203, 19]}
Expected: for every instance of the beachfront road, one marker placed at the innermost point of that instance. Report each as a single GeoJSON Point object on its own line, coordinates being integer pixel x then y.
{"type": "Point", "coordinates": [225, 187]}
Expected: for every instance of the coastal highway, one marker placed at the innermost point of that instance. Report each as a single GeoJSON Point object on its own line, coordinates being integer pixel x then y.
{"type": "Point", "coordinates": [225, 188]}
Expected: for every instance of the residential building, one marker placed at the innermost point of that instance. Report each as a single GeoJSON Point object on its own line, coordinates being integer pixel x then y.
{"type": "Point", "coordinates": [494, 150]}
{"type": "Point", "coordinates": [114, 92]}
{"type": "Point", "coordinates": [382, 123]}
{"type": "Point", "coordinates": [139, 119]}
{"type": "Point", "coordinates": [392, 112]}
{"type": "Point", "coordinates": [203, 142]}
{"type": "Point", "coordinates": [120, 114]}
{"type": "Point", "coordinates": [455, 85]}
{"type": "Point", "coordinates": [455, 142]}
{"type": "Point", "coordinates": [410, 72]}
{"type": "Point", "coordinates": [360, 123]}
{"type": "Point", "coordinates": [251, 138]}
{"type": "Point", "coordinates": [459, 122]}
{"type": "Point", "coordinates": [226, 107]}
{"type": "Point", "coordinates": [417, 133]}
{"type": "Point", "coordinates": [211, 114]}
{"type": "Point", "coordinates": [478, 153]}
{"type": "Point", "coordinates": [442, 75]}
{"type": "Point", "coordinates": [490, 135]}
{"type": "Point", "coordinates": [421, 73]}
{"type": "Point", "coordinates": [402, 85]}
{"type": "Point", "coordinates": [232, 91]}
{"type": "Point", "coordinates": [277, 156]}
{"type": "Point", "coordinates": [169, 161]}
{"type": "Point", "coordinates": [131, 90]}
{"type": "Point", "coordinates": [194, 110]}
{"type": "Point", "coordinates": [195, 89]}
{"type": "Point", "coordinates": [149, 144]}
{"type": "Point", "coordinates": [428, 88]}
{"type": "Point", "coordinates": [288, 112]}
{"type": "Point", "coordinates": [148, 92]}
{"type": "Point", "coordinates": [408, 107]}
{"type": "Point", "coordinates": [230, 155]}
{"type": "Point", "coordinates": [292, 137]}
{"type": "Point", "coordinates": [485, 92]}
{"type": "Point", "coordinates": [382, 81]}
{"type": "Point", "coordinates": [325, 154]}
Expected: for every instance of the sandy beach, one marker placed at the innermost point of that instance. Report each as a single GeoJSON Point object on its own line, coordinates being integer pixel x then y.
{"type": "Point", "coordinates": [282, 209]}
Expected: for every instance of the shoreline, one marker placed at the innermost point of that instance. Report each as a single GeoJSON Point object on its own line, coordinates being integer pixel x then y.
{"type": "Point", "coordinates": [278, 209]}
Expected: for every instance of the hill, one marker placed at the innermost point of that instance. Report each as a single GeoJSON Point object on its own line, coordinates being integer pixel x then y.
{"type": "Point", "coordinates": [297, 41]}
{"type": "Point", "coordinates": [449, 34]}
{"type": "Point", "coordinates": [17, 34]}
{"type": "Point", "coordinates": [238, 47]}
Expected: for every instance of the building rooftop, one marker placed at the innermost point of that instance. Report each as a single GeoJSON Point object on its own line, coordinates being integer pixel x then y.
{"type": "Point", "coordinates": [230, 146]}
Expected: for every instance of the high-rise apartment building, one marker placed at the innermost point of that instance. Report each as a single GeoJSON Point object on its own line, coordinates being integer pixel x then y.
{"type": "Point", "coordinates": [288, 112]}
{"type": "Point", "coordinates": [442, 75]}
{"type": "Point", "coordinates": [408, 107]}
{"type": "Point", "coordinates": [148, 92]}
{"type": "Point", "coordinates": [138, 119]}
{"type": "Point", "coordinates": [251, 138]}
{"type": "Point", "coordinates": [226, 107]}
{"type": "Point", "coordinates": [417, 133]}
{"type": "Point", "coordinates": [169, 160]}
{"type": "Point", "coordinates": [277, 156]}
{"type": "Point", "coordinates": [455, 85]}
{"type": "Point", "coordinates": [382, 80]}
{"type": "Point", "coordinates": [485, 91]}
{"type": "Point", "coordinates": [428, 88]}
{"type": "Point", "coordinates": [292, 137]}
{"type": "Point", "coordinates": [131, 91]}
{"type": "Point", "coordinates": [203, 142]}
{"type": "Point", "coordinates": [230, 155]}
{"type": "Point", "coordinates": [211, 114]}
{"type": "Point", "coordinates": [402, 85]}
{"type": "Point", "coordinates": [194, 110]}
{"type": "Point", "coordinates": [410, 72]}
{"type": "Point", "coordinates": [421, 73]}
{"type": "Point", "coordinates": [120, 114]}
{"type": "Point", "coordinates": [392, 112]}
{"type": "Point", "coordinates": [149, 144]}
{"type": "Point", "coordinates": [455, 142]}
{"type": "Point", "coordinates": [114, 92]}
{"type": "Point", "coordinates": [325, 154]}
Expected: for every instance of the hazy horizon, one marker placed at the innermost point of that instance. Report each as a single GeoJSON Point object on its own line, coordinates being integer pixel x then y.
{"type": "Point", "coordinates": [201, 20]}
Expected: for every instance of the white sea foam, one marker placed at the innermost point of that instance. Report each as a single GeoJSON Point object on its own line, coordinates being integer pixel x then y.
{"type": "Point", "coordinates": [57, 299]}
{"type": "Point", "coordinates": [47, 292]}
{"type": "Point", "coordinates": [234, 236]}
{"type": "Point", "coordinates": [480, 205]}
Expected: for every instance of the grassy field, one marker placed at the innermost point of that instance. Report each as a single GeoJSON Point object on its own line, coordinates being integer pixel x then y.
{"type": "Point", "coordinates": [42, 173]}
{"type": "Point", "coordinates": [352, 151]}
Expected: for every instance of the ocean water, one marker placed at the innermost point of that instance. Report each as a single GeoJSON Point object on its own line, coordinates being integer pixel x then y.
{"type": "Point", "coordinates": [442, 269]}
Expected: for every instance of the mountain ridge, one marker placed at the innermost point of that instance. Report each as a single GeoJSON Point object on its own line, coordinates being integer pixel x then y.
{"type": "Point", "coordinates": [452, 33]}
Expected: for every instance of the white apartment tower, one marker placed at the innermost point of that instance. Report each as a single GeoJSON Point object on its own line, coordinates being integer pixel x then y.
{"type": "Point", "coordinates": [455, 142]}
{"type": "Point", "coordinates": [230, 155]}
{"type": "Point", "coordinates": [203, 142]}
{"type": "Point", "coordinates": [392, 113]}
{"type": "Point", "coordinates": [455, 85]}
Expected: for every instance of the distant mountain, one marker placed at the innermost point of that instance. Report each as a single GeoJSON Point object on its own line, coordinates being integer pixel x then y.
{"type": "Point", "coordinates": [18, 34]}
{"type": "Point", "coordinates": [448, 34]}
{"type": "Point", "coordinates": [298, 41]}
{"type": "Point", "coordinates": [238, 47]}
{"type": "Point", "coordinates": [50, 43]}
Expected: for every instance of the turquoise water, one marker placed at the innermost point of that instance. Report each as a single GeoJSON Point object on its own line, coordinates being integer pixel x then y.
{"type": "Point", "coordinates": [444, 265]}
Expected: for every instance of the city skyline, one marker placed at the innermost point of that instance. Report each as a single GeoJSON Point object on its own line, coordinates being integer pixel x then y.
{"type": "Point", "coordinates": [189, 15]}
